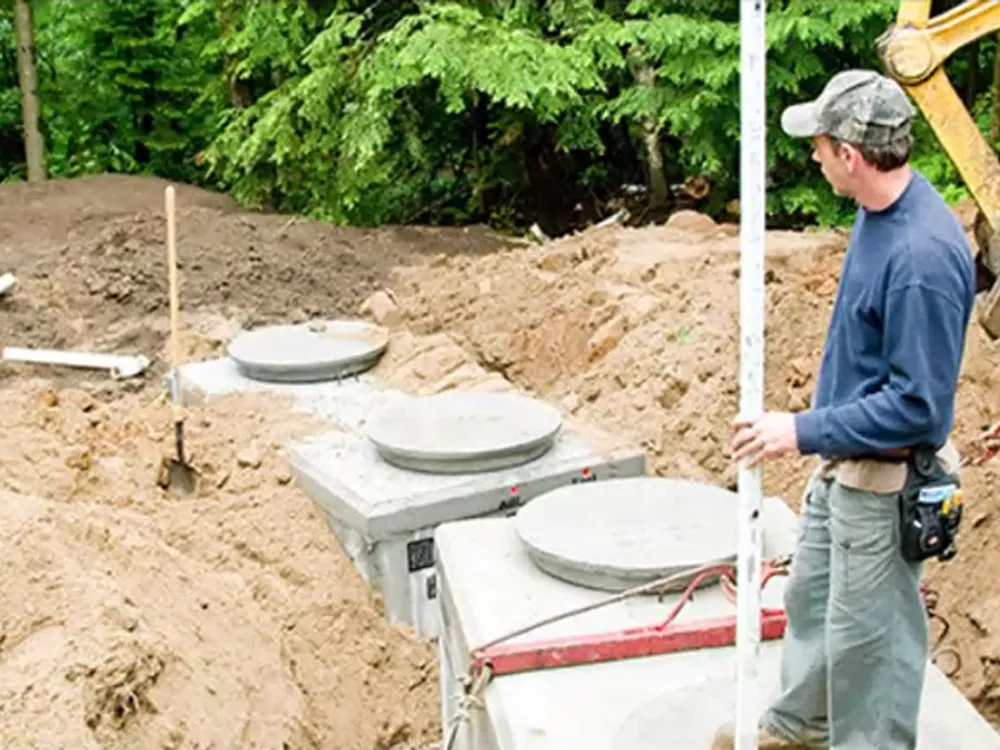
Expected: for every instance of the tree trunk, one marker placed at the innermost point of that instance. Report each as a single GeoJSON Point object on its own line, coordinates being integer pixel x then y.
{"type": "Point", "coordinates": [659, 192]}
{"type": "Point", "coordinates": [995, 120]}
{"type": "Point", "coordinates": [240, 90]}
{"type": "Point", "coordinates": [34, 145]}
{"type": "Point", "coordinates": [972, 83]}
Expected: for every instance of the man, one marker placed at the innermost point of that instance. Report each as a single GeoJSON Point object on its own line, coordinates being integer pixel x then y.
{"type": "Point", "coordinates": [855, 649]}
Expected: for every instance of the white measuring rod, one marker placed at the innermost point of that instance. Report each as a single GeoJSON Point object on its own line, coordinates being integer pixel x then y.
{"type": "Point", "coordinates": [753, 95]}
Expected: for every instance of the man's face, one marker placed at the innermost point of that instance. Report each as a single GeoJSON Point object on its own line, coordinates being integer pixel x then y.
{"type": "Point", "coordinates": [837, 162]}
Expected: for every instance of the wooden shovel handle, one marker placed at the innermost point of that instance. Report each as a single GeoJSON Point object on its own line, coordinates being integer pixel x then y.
{"type": "Point", "coordinates": [175, 311]}
{"type": "Point", "coordinates": [175, 308]}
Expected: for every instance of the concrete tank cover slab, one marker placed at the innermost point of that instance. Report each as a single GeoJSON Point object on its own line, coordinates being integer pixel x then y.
{"type": "Point", "coordinates": [464, 431]}
{"type": "Point", "coordinates": [620, 533]}
{"type": "Point", "coordinates": [686, 718]}
{"type": "Point", "coordinates": [308, 352]}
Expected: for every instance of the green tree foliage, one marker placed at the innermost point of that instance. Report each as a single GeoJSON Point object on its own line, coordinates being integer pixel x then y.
{"type": "Point", "coordinates": [121, 88]}
{"type": "Point", "coordinates": [11, 145]}
{"type": "Point", "coordinates": [443, 110]}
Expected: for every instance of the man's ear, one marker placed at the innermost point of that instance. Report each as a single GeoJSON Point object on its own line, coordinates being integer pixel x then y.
{"type": "Point", "coordinates": [849, 154]}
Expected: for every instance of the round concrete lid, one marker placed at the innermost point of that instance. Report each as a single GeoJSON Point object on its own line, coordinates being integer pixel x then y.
{"type": "Point", "coordinates": [686, 717]}
{"type": "Point", "coordinates": [308, 352]}
{"type": "Point", "coordinates": [620, 533]}
{"type": "Point", "coordinates": [459, 431]}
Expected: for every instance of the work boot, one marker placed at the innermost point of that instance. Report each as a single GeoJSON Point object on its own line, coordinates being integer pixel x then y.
{"type": "Point", "coordinates": [725, 739]}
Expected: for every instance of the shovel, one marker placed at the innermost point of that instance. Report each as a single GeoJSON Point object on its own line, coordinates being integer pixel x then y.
{"type": "Point", "coordinates": [182, 478]}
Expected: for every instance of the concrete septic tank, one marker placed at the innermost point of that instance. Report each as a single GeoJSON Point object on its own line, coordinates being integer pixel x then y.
{"type": "Point", "coordinates": [628, 532]}
{"type": "Point", "coordinates": [489, 586]}
{"type": "Point", "coordinates": [221, 376]}
{"type": "Point", "coordinates": [384, 515]}
{"type": "Point", "coordinates": [308, 352]}
{"type": "Point", "coordinates": [460, 432]}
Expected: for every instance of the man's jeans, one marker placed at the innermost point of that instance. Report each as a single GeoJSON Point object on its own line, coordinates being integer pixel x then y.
{"type": "Point", "coordinates": [856, 645]}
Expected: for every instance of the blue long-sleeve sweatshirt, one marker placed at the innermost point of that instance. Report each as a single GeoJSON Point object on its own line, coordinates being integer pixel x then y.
{"type": "Point", "coordinates": [897, 333]}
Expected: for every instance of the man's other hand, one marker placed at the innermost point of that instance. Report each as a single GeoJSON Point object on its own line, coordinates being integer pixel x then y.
{"type": "Point", "coordinates": [769, 435]}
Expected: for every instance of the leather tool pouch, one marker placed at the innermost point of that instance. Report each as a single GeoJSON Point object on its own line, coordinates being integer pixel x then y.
{"type": "Point", "coordinates": [930, 509]}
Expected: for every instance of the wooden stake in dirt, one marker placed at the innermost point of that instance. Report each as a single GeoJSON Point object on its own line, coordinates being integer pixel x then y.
{"type": "Point", "coordinates": [752, 310]}
{"type": "Point", "coordinates": [182, 478]}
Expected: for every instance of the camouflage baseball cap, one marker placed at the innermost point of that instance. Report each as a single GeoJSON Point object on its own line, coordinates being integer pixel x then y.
{"type": "Point", "coordinates": [861, 107]}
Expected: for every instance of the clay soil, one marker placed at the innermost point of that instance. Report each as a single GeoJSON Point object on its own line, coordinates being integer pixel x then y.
{"type": "Point", "coordinates": [90, 256]}
{"type": "Point", "coordinates": [130, 618]}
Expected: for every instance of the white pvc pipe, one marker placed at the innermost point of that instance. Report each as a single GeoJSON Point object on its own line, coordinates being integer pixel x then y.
{"type": "Point", "coordinates": [7, 282]}
{"type": "Point", "coordinates": [119, 365]}
{"type": "Point", "coordinates": [752, 310]}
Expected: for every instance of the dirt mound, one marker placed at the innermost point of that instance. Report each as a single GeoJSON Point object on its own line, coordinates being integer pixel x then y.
{"type": "Point", "coordinates": [90, 257]}
{"type": "Point", "coordinates": [228, 620]}
{"type": "Point", "coordinates": [637, 331]}
{"type": "Point", "coordinates": [38, 219]}
{"type": "Point", "coordinates": [232, 619]}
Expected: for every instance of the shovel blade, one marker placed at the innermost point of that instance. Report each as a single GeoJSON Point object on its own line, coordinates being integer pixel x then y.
{"type": "Point", "coordinates": [182, 477]}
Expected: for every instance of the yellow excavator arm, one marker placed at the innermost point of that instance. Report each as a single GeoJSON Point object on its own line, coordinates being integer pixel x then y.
{"type": "Point", "coordinates": [913, 50]}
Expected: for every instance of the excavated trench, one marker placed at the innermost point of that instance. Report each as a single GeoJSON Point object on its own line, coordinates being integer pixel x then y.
{"type": "Point", "coordinates": [236, 618]}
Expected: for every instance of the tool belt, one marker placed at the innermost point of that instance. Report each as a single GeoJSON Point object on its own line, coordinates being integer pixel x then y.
{"type": "Point", "coordinates": [889, 456]}
{"type": "Point", "coordinates": [930, 508]}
